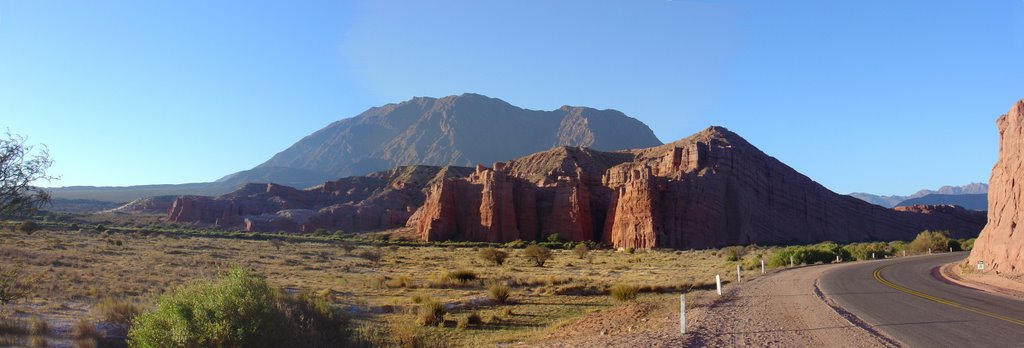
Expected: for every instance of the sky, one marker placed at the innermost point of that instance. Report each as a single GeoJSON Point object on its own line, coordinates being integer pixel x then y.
{"type": "Point", "coordinates": [886, 97]}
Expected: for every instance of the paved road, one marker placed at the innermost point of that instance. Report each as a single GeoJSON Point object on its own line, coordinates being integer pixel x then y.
{"type": "Point", "coordinates": [901, 298]}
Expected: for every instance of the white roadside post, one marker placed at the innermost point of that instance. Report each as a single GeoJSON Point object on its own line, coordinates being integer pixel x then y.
{"type": "Point", "coordinates": [904, 253]}
{"type": "Point", "coordinates": [738, 277]}
{"type": "Point", "coordinates": [872, 256]}
{"type": "Point", "coordinates": [762, 266]}
{"type": "Point", "coordinates": [790, 260]}
{"type": "Point", "coordinates": [718, 284]}
{"type": "Point", "coordinates": [950, 249]}
{"type": "Point", "coordinates": [929, 251]}
{"type": "Point", "coordinates": [682, 314]}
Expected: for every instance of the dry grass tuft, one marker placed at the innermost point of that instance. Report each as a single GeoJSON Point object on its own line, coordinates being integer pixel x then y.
{"type": "Point", "coordinates": [116, 311]}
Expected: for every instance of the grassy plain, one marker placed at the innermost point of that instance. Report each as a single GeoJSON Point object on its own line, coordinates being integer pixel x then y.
{"type": "Point", "coordinates": [73, 272]}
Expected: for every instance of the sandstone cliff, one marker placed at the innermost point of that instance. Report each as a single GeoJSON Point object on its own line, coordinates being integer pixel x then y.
{"type": "Point", "coordinates": [377, 201]}
{"type": "Point", "coordinates": [710, 189]}
{"type": "Point", "coordinates": [998, 245]}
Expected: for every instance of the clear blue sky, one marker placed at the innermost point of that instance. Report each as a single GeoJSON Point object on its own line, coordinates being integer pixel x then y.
{"type": "Point", "coordinates": [878, 96]}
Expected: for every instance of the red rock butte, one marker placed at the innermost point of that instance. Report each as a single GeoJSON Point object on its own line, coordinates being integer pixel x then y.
{"type": "Point", "coordinates": [707, 190]}
{"type": "Point", "coordinates": [998, 246]}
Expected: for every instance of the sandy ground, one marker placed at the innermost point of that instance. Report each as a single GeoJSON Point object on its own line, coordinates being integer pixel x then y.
{"type": "Point", "coordinates": [953, 273]}
{"type": "Point", "coordinates": [779, 310]}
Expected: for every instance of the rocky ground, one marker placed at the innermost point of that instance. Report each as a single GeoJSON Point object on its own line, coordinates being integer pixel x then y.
{"type": "Point", "coordinates": [779, 310]}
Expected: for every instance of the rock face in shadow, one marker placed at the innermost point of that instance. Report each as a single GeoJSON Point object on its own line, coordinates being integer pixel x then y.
{"type": "Point", "coordinates": [707, 190]}
{"type": "Point", "coordinates": [377, 201]}
{"type": "Point", "coordinates": [461, 130]}
{"type": "Point", "coordinates": [999, 246]}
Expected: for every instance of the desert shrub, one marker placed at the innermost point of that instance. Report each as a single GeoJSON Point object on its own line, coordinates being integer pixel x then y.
{"type": "Point", "coordinates": [14, 285]}
{"type": "Point", "coordinates": [499, 293]}
{"type": "Point", "coordinates": [239, 310]}
{"type": "Point", "coordinates": [28, 227]}
{"type": "Point", "coordinates": [632, 250]}
{"type": "Point", "coordinates": [474, 319]}
{"type": "Point", "coordinates": [346, 247]}
{"type": "Point", "coordinates": [372, 255]}
{"type": "Point", "coordinates": [554, 238]}
{"type": "Point", "coordinates": [581, 250]}
{"type": "Point", "coordinates": [624, 292]}
{"type": "Point", "coordinates": [537, 254]}
{"type": "Point", "coordinates": [400, 282]}
{"type": "Point", "coordinates": [430, 313]}
{"type": "Point", "coordinates": [276, 243]}
{"type": "Point", "coordinates": [461, 276]}
{"type": "Point", "coordinates": [734, 253]}
{"type": "Point", "coordinates": [116, 311]}
{"type": "Point", "coordinates": [929, 240]}
{"type": "Point", "coordinates": [417, 299]}
{"type": "Point", "coordinates": [493, 255]}
{"type": "Point", "coordinates": [953, 245]}
{"type": "Point", "coordinates": [38, 327]}
{"type": "Point", "coordinates": [84, 330]}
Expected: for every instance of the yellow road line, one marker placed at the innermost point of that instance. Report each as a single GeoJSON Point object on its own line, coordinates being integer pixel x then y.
{"type": "Point", "coordinates": [878, 276]}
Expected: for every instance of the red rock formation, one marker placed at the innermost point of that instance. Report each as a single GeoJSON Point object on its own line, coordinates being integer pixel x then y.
{"type": "Point", "coordinates": [998, 245]}
{"type": "Point", "coordinates": [378, 201]}
{"type": "Point", "coordinates": [710, 189]}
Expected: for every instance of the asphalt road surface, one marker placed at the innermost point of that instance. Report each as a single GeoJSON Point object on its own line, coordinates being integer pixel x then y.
{"type": "Point", "coordinates": [901, 298]}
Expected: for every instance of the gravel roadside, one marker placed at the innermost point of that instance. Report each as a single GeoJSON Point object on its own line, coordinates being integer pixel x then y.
{"type": "Point", "coordinates": [782, 309]}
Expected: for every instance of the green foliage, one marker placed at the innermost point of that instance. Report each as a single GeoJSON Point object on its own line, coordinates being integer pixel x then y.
{"type": "Point", "coordinates": [240, 310]}
{"type": "Point", "coordinates": [863, 251]}
{"type": "Point", "coordinates": [823, 252]}
{"type": "Point", "coordinates": [493, 255]}
{"type": "Point", "coordinates": [734, 253]}
{"type": "Point", "coordinates": [581, 250]}
{"type": "Point", "coordinates": [537, 254]}
{"type": "Point", "coordinates": [624, 292]}
{"type": "Point", "coordinates": [554, 238]}
{"type": "Point", "coordinates": [967, 244]}
{"type": "Point", "coordinates": [930, 240]}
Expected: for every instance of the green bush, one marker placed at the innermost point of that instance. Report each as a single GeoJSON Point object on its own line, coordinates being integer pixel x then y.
{"type": "Point", "coordinates": [581, 250]}
{"type": "Point", "coordinates": [734, 253]}
{"type": "Point", "coordinates": [240, 310]}
{"type": "Point", "coordinates": [863, 251]}
{"type": "Point", "coordinates": [624, 292]}
{"type": "Point", "coordinates": [967, 244]}
{"type": "Point", "coordinates": [930, 240]}
{"type": "Point", "coordinates": [823, 252]}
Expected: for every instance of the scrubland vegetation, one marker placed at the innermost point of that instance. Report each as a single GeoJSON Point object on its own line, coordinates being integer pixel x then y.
{"type": "Point", "coordinates": [95, 285]}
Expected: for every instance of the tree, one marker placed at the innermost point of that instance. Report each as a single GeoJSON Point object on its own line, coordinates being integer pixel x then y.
{"type": "Point", "coordinates": [581, 250]}
{"type": "Point", "coordinates": [537, 254]}
{"type": "Point", "coordinates": [930, 241]}
{"type": "Point", "coordinates": [21, 165]}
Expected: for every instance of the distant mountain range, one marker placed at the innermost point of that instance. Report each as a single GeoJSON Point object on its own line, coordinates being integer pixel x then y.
{"type": "Point", "coordinates": [464, 130]}
{"type": "Point", "coordinates": [944, 195]}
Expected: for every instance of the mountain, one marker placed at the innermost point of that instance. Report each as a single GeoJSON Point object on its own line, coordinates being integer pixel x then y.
{"type": "Point", "coordinates": [707, 190]}
{"type": "Point", "coordinates": [456, 130]}
{"type": "Point", "coordinates": [998, 246]}
{"type": "Point", "coordinates": [895, 201]}
{"type": "Point", "coordinates": [885, 201]}
{"type": "Point", "coordinates": [977, 202]}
